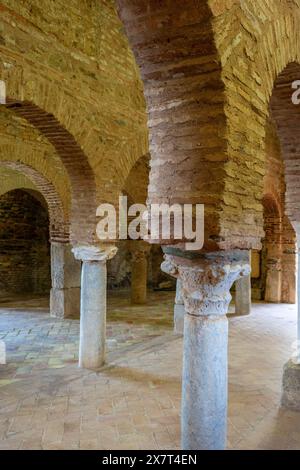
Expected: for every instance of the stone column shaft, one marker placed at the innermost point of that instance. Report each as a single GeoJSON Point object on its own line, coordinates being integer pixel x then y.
{"type": "Point", "coordinates": [178, 310]}
{"type": "Point", "coordinates": [291, 373]}
{"type": "Point", "coordinates": [93, 304]}
{"type": "Point", "coordinates": [298, 298]}
{"type": "Point", "coordinates": [206, 281]}
{"type": "Point", "coordinates": [243, 296]}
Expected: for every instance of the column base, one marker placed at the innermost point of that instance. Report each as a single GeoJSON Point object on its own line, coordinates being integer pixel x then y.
{"type": "Point", "coordinates": [291, 386]}
{"type": "Point", "coordinates": [65, 303]}
{"type": "Point", "coordinates": [179, 319]}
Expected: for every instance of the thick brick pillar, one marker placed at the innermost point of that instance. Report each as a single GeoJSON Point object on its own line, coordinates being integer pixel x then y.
{"type": "Point", "coordinates": [206, 282]}
{"type": "Point", "coordinates": [65, 275]}
{"type": "Point", "coordinates": [93, 303]}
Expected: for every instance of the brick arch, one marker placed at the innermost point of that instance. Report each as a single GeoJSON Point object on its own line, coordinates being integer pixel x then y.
{"type": "Point", "coordinates": [180, 68]}
{"type": "Point", "coordinates": [83, 208]}
{"type": "Point", "coordinates": [59, 219]}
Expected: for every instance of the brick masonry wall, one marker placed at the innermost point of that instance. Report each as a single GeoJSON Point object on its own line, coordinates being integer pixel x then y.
{"type": "Point", "coordinates": [24, 245]}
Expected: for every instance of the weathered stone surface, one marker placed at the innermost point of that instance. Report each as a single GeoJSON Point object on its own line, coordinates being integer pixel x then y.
{"type": "Point", "coordinates": [291, 386]}
{"type": "Point", "coordinates": [93, 303]}
{"type": "Point", "coordinates": [65, 303]}
{"type": "Point", "coordinates": [24, 246]}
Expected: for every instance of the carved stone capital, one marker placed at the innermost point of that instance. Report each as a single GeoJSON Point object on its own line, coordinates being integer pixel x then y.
{"type": "Point", "coordinates": [101, 253]}
{"type": "Point", "coordinates": [207, 279]}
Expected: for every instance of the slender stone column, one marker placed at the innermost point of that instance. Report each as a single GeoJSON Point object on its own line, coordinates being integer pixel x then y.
{"type": "Point", "coordinates": [178, 310]}
{"type": "Point", "coordinates": [291, 374]}
{"type": "Point", "coordinates": [139, 271]}
{"type": "Point", "coordinates": [65, 275]}
{"type": "Point", "coordinates": [93, 304]}
{"type": "Point", "coordinates": [206, 282]}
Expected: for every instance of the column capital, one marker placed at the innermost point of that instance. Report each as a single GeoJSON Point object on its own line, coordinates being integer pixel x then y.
{"type": "Point", "coordinates": [206, 279]}
{"type": "Point", "coordinates": [101, 253]}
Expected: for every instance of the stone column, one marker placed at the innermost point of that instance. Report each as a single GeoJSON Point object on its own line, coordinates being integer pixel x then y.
{"type": "Point", "coordinates": [274, 272]}
{"type": "Point", "coordinates": [178, 310]}
{"type": "Point", "coordinates": [65, 275]}
{"type": "Point", "coordinates": [93, 304]}
{"type": "Point", "coordinates": [139, 271]}
{"type": "Point", "coordinates": [206, 281]}
{"type": "Point", "coordinates": [291, 374]}
{"type": "Point", "coordinates": [243, 296]}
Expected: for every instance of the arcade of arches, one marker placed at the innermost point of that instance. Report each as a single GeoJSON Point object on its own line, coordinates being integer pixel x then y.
{"type": "Point", "coordinates": [164, 102]}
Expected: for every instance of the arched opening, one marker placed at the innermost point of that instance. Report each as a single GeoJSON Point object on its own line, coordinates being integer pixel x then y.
{"type": "Point", "coordinates": [59, 218]}
{"type": "Point", "coordinates": [24, 244]}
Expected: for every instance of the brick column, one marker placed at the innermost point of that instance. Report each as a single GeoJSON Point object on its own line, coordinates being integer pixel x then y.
{"type": "Point", "coordinates": [291, 374]}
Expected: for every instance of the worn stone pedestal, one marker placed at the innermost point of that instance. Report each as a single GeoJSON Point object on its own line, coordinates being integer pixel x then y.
{"type": "Point", "coordinates": [65, 275]}
{"type": "Point", "coordinates": [291, 386]}
{"type": "Point", "coordinates": [206, 280]}
{"type": "Point", "coordinates": [178, 311]}
{"type": "Point", "coordinates": [139, 272]}
{"type": "Point", "coordinates": [93, 304]}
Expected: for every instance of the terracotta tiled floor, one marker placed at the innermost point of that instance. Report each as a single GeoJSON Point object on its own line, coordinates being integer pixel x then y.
{"type": "Point", "coordinates": [46, 402]}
